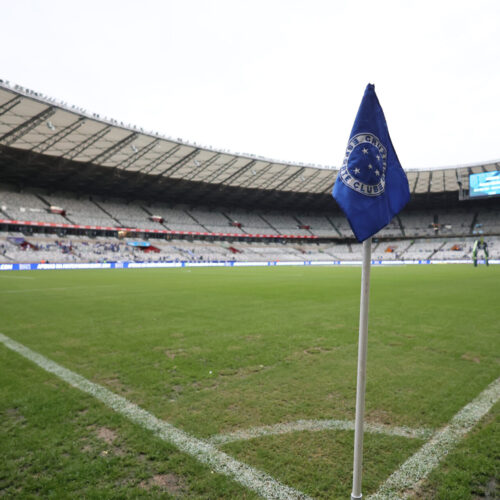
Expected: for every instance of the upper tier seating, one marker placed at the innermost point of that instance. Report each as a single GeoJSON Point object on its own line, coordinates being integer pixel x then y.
{"type": "Point", "coordinates": [417, 223]}
{"type": "Point", "coordinates": [27, 207]}
{"type": "Point", "coordinates": [319, 225]}
{"type": "Point", "coordinates": [81, 211]}
{"type": "Point", "coordinates": [129, 215]}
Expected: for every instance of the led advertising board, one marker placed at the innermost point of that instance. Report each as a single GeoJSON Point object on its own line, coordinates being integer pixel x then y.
{"type": "Point", "coordinates": [484, 184]}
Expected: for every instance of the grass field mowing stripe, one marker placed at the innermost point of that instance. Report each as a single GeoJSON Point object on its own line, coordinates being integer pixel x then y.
{"type": "Point", "coordinates": [318, 425]}
{"type": "Point", "coordinates": [220, 462]}
{"type": "Point", "coordinates": [402, 482]}
{"type": "Point", "coordinates": [17, 277]}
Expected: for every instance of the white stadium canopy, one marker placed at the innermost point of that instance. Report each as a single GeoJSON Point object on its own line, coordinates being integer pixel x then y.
{"type": "Point", "coordinates": [38, 125]}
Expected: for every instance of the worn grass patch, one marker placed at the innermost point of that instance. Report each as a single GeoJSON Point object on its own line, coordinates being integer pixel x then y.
{"type": "Point", "coordinates": [57, 442]}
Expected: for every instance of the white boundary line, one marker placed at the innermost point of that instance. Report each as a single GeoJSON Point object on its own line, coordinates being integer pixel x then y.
{"type": "Point", "coordinates": [318, 425]}
{"type": "Point", "coordinates": [18, 277]}
{"type": "Point", "coordinates": [401, 483]}
{"type": "Point", "coordinates": [203, 451]}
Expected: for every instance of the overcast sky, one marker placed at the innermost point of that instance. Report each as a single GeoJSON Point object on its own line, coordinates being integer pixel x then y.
{"type": "Point", "coordinates": [277, 78]}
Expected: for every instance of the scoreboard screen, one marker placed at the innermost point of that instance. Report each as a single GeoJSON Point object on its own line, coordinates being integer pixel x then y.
{"type": "Point", "coordinates": [484, 184]}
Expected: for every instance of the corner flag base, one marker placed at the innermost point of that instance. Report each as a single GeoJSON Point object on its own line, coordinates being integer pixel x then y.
{"type": "Point", "coordinates": [354, 497]}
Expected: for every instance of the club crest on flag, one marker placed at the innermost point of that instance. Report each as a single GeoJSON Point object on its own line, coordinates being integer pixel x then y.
{"type": "Point", "coordinates": [371, 186]}
{"type": "Point", "coordinates": [364, 165]}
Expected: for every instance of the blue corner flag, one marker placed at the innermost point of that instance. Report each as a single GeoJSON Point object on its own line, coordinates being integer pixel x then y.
{"type": "Point", "coordinates": [371, 187]}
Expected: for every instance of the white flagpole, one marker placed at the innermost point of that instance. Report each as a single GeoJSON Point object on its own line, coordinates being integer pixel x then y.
{"type": "Point", "coordinates": [361, 385]}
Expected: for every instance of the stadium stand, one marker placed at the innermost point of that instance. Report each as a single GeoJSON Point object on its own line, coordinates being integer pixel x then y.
{"type": "Point", "coordinates": [212, 221]}
{"type": "Point", "coordinates": [417, 224]}
{"type": "Point", "coordinates": [79, 188]}
{"type": "Point", "coordinates": [27, 206]}
{"type": "Point", "coordinates": [487, 221]}
{"type": "Point", "coordinates": [114, 213]}
{"type": "Point", "coordinates": [455, 248]}
{"type": "Point", "coordinates": [176, 218]}
{"type": "Point", "coordinates": [422, 249]}
{"type": "Point", "coordinates": [22, 248]}
{"type": "Point", "coordinates": [318, 225]}
{"type": "Point", "coordinates": [339, 222]}
{"type": "Point", "coordinates": [251, 223]}
{"type": "Point", "coordinates": [81, 211]}
{"type": "Point", "coordinates": [130, 215]}
{"type": "Point", "coordinates": [284, 223]}
{"type": "Point", "coordinates": [455, 222]}
{"type": "Point", "coordinates": [390, 250]}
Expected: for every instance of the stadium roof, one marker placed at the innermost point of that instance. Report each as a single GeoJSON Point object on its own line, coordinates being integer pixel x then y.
{"type": "Point", "coordinates": [58, 146]}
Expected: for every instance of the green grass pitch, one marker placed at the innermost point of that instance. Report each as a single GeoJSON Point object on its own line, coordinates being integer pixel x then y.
{"type": "Point", "coordinates": [213, 351]}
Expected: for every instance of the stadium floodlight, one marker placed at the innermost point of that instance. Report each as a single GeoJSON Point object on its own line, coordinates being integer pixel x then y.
{"type": "Point", "coordinates": [50, 125]}
{"type": "Point", "coordinates": [134, 149]}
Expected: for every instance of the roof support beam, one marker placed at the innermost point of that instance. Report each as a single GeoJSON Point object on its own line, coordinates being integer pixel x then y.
{"type": "Point", "coordinates": [307, 180]}
{"type": "Point", "coordinates": [262, 191]}
{"type": "Point", "coordinates": [180, 163]}
{"type": "Point", "coordinates": [443, 189]}
{"type": "Point", "coordinates": [211, 187]}
{"type": "Point", "coordinates": [218, 173]}
{"type": "Point", "coordinates": [429, 182]}
{"type": "Point", "coordinates": [310, 193]}
{"type": "Point", "coordinates": [204, 165]}
{"type": "Point", "coordinates": [208, 178]}
{"type": "Point", "coordinates": [241, 171]}
{"type": "Point", "coordinates": [226, 186]}
{"type": "Point", "coordinates": [274, 179]}
{"type": "Point", "coordinates": [459, 180]}
{"type": "Point", "coordinates": [135, 157]}
{"type": "Point", "coordinates": [158, 161]}
{"type": "Point", "coordinates": [412, 190]}
{"type": "Point", "coordinates": [287, 181]}
{"type": "Point", "coordinates": [108, 153]}
{"type": "Point", "coordinates": [7, 106]}
{"type": "Point", "coordinates": [327, 190]}
{"type": "Point", "coordinates": [321, 181]}
{"type": "Point", "coordinates": [59, 136]}
{"type": "Point", "coordinates": [194, 173]}
{"type": "Point", "coordinates": [25, 127]}
{"type": "Point", "coordinates": [159, 179]}
{"type": "Point", "coordinates": [263, 172]}
{"type": "Point", "coordinates": [80, 148]}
